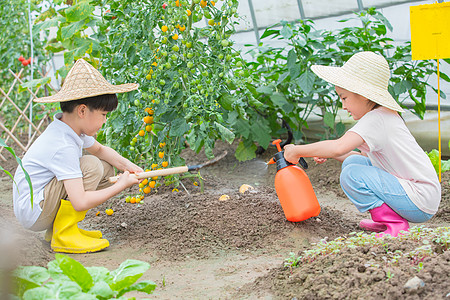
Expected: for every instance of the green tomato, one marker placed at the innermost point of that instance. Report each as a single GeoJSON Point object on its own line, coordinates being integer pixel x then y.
{"type": "Point", "coordinates": [132, 143]}
{"type": "Point", "coordinates": [205, 73]}
{"type": "Point", "coordinates": [134, 139]}
{"type": "Point", "coordinates": [158, 91]}
{"type": "Point", "coordinates": [239, 64]}
{"type": "Point", "coordinates": [168, 65]}
{"type": "Point", "coordinates": [221, 56]}
{"type": "Point", "coordinates": [164, 53]}
{"type": "Point", "coordinates": [175, 48]}
{"type": "Point", "coordinates": [241, 73]}
{"type": "Point", "coordinates": [190, 64]}
{"type": "Point", "coordinates": [164, 40]}
{"type": "Point", "coordinates": [131, 148]}
{"type": "Point", "coordinates": [224, 43]}
{"type": "Point", "coordinates": [137, 102]}
{"type": "Point", "coordinates": [196, 1]}
{"type": "Point", "coordinates": [188, 44]}
{"type": "Point", "coordinates": [162, 82]}
{"type": "Point", "coordinates": [190, 55]}
{"type": "Point", "coordinates": [229, 57]}
{"type": "Point", "coordinates": [176, 85]}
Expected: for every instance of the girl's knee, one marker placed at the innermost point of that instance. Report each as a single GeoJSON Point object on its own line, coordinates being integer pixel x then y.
{"type": "Point", "coordinates": [356, 159]}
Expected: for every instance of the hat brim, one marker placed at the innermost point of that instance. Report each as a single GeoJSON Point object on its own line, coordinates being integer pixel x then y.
{"type": "Point", "coordinates": [339, 77]}
{"type": "Point", "coordinates": [74, 94]}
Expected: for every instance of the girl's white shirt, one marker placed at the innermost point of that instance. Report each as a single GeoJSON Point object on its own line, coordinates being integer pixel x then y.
{"type": "Point", "coordinates": [391, 147]}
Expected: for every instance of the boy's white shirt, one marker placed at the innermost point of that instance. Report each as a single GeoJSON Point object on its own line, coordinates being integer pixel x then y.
{"type": "Point", "coordinates": [391, 147]}
{"type": "Point", "coordinates": [55, 153]}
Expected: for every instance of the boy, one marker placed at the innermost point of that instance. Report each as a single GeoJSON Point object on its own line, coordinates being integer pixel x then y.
{"type": "Point", "coordinates": [59, 171]}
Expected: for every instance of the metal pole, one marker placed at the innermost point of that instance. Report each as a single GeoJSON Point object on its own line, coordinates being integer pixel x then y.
{"type": "Point", "coordinates": [300, 8]}
{"type": "Point", "coordinates": [255, 25]}
{"type": "Point", "coordinates": [32, 63]}
{"type": "Point", "coordinates": [360, 5]}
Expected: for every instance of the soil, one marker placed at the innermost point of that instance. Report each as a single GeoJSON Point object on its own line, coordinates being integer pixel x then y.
{"type": "Point", "coordinates": [200, 247]}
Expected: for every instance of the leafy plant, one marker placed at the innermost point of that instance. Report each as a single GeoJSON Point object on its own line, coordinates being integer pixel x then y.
{"type": "Point", "coordinates": [434, 158]}
{"type": "Point", "coordinates": [66, 278]}
{"type": "Point", "coordinates": [292, 91]}
{"type": "Point", "coordinates": [19, 162]}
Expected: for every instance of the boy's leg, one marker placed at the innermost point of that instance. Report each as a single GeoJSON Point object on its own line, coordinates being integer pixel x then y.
{"type": "Point", "coordinates": [95, 173]}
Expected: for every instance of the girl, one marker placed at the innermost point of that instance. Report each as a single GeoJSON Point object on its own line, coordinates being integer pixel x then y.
{"type": "Point", "coordinates": [392, 177]}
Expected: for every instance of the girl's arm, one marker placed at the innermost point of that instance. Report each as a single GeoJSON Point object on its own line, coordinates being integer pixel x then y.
{"type": "Point", "coordinates": [338, 149]}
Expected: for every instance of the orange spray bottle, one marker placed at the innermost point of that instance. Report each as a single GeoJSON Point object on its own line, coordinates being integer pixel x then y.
{"type": "Point", "coordinates": [294, 190]}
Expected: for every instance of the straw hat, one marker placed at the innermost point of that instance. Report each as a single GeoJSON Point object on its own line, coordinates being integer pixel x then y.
{"type": "Point", "coordinates": [366, 74]}
{"type": "Point", "coordinates": [85, 81]}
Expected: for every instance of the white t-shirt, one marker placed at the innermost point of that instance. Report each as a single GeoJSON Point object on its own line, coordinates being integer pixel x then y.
{"type": "Point", "coordinates": [391, 147]}
{"type": "Point", "coordinates": [55, 153]}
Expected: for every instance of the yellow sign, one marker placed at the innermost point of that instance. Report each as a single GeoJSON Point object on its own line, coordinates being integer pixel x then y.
{"type": "Point", "coordinates": [430, 31]}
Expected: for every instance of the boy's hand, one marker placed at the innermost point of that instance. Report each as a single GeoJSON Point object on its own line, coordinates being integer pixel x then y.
{"type": "Point", "coordinates": [132, 168]}
{"type": "Point", "coordinates": [127, 180]}
{"type": "Point", "coordinates": [290, 154]}
{"type": "Point", "coordinates": [319, 160]}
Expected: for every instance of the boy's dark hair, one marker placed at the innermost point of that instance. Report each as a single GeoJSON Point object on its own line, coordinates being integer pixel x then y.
{"type": "Point", "coordinates": [106, 102]}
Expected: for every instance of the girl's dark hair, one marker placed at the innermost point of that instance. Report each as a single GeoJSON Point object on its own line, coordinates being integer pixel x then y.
{"type": "Point", "coordinates": [375, 105]}
{"type": "Point", "coordinates": [107, 102]}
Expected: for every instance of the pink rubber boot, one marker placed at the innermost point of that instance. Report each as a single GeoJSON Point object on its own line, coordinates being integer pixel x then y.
{"type": "Point", "coordinates": [370, 225]}
{"type": "Point", "coordinates": [388, 217]}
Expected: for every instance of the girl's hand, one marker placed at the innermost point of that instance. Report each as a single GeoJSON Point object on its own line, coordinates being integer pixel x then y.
{"type": "Point", "coordinates": [290, 153]}
{"type": "Point", "coordinates": [319, 160]}
{"type": "Point", "coordinates": [127, 180]}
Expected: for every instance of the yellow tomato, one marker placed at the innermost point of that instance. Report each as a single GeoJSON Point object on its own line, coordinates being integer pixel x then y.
{"type": "Point", "coordinates": [109, 211]}
{"type": "Point", "coordinates": [164, 28]}
{"type": "Point", "coordinates": [161, 154]}
{"type": "Point", "coordinates": [147, 190]}
{"type": "Point", "coordinates": [152, 184]}
{"type": "Point", "coordinates": [165, 164]}
{"type": "Point", "coordinates": [141, 133]}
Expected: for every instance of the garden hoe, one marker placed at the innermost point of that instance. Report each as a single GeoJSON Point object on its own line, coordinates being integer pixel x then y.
{"type": "Point", "coordinates": [170, 171]}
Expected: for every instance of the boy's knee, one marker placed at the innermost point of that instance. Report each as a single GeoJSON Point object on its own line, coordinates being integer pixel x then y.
{"type": "Point", "coordinates": [91, 166]}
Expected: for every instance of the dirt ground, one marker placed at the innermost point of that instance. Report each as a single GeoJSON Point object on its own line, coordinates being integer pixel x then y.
{"type": "Point", "coordinates": [202, 248]}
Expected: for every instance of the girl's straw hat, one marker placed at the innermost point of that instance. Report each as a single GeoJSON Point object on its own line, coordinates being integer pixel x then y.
{"type": "Point", "coordinates": [366, 74]}
{"type": "Point", "coordinates": [85, 81]}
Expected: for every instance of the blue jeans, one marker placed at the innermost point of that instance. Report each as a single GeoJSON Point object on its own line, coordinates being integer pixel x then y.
{"type": "Point", "coordinates": [369, 187]}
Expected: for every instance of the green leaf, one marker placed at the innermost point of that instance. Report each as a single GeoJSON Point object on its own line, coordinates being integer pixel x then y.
{"type": "Point", "coordinates": [143, 286]}
{"type": "Point", "coordinates": [34, 84]}
{"type": "Point", "coordinates": [178, 127]}
{"type": "Point", "coordinates": [226, 134]}
{"type": "Point", "coordinates": [75, 271]}
{"type": "Point", "coordinates": [261, 132]}
{"type": "Point", "coordinates": [29, 277]}
{"type": "Point", "coordinates": [68, 31]}
{"type": "Point", "coordinates": [329, 119]}
{"type": "Point", "coordinates": [245, 152]}
{"type": "Point", "coordinates": [79, 11]}
{"type": "Point", "coordinates": [286, 32]}
{"type": "Point", "coordinates": [291, 58]}
{"type": "Point", "coordinates": [265, 90]}
{"type": "Point", "coordinates": [242, 128]}
{"type": "Point", "coordinates": [68, 58]}
{"type": "Point", "coordinates": [39, 293]}
{"type": "Point", "coordinates": [99, 274]}
{"type": "Point", "coordinates": [102, 289]}
{"type": "Point", "coordinates": [226, 101]}
{"type": "Point", "coordinates": [280, 100]}
{"type": "Point", "coordinates": [127, 273]}
{"type": "Point", "coordinates": [306, 81]}
{"type": "Point", "coordinates": [269, 32]}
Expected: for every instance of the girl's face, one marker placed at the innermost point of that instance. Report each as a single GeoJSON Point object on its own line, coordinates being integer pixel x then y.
{"type": "Point", "coordinates": [355, 104]}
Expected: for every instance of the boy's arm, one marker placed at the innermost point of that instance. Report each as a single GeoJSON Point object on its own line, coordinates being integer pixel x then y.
{"type": "Point", "coordinates": [115, 159]}
{"type": "Point", "coordinates": [84, 200]}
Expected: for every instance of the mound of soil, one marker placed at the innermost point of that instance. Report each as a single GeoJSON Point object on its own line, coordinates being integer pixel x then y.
{"type": "Point", "coordinates": [361, 273]}
{"type": "Point", "coordinates": [200, 225]}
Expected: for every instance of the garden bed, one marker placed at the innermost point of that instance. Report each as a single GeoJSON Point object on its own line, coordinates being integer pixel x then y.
{"type": "Point", "coordinates": [201, 247]}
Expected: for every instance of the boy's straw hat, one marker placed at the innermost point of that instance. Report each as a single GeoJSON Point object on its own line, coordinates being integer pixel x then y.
{"type": "Point", "coordinates": [85, 81]}
{"type": "Point", "coordinates": [366, 74]}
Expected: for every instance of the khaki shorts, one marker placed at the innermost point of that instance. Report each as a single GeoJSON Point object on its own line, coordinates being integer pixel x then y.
{"type": "Point", "coordinates": [95, 177]}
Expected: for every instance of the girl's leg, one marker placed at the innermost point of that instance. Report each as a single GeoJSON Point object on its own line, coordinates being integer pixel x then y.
{"type": "Point", "coordinates": [369, 187]}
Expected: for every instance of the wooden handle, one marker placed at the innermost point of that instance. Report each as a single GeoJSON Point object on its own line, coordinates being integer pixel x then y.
{"type": "Point", "coordinates": [163, 172]}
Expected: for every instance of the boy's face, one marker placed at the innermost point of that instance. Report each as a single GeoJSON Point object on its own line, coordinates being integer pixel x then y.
{"type": "Point", "coordinates": [93, 121]}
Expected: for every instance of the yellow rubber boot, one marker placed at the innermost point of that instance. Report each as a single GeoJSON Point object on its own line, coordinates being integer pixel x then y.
{"type": "Point", "coordinates": [96, 234]}
{"type": "Point", "coordinates": [67, 236]}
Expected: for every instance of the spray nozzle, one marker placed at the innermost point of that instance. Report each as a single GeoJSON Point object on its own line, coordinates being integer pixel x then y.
{"type": "Point", "coordinates": [277, 144]}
